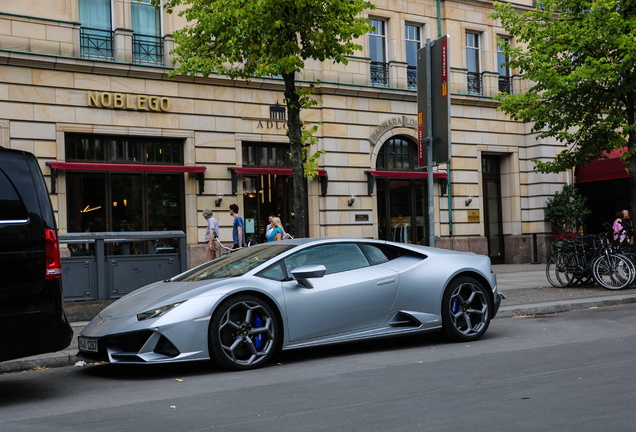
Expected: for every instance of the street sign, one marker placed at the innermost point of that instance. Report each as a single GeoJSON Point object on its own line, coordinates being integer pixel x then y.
{"type": "Point", "coordinates": [439, 99]}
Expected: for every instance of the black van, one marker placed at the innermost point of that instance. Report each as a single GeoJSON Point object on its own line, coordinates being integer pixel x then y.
{"type": "Point", "coordinates": [32, 318]}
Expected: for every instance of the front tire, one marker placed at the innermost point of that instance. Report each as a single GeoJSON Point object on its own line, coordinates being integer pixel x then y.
{"type": "Point", "coordinates": [243, 333]}
{"type": "Point", "coordinates": [465, 310]}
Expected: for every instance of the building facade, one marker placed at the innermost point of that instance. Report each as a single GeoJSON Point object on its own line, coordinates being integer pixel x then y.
{"type": "Point", "coordinates": [84, 85]}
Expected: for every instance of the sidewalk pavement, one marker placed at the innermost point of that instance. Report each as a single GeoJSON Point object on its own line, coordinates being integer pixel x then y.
{"type": "Point", "coordinates": [525, 285]}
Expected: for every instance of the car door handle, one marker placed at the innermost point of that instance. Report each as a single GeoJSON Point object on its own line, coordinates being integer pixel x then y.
{"type": "Point", "coordinates": [385, 281]}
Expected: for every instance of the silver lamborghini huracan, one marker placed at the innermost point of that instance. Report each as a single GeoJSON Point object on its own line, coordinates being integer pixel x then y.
{"type": "Point", "coordinates": [239, 310]}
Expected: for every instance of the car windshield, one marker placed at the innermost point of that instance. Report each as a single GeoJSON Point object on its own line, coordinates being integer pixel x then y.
{"type": "Point", "coordinates": [235, 264]}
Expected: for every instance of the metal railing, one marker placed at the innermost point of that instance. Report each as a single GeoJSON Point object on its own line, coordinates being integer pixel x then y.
{"type": "Point", "coordinates": [411, 77]}
{"type": "Point", "coordinates": [474, 83]}
{"type": "Point", "coordinates": [101, 265]}
{"type": "Point", "coordinates": [379, 74]}
{"type": "Point", "coordinates": [96, 43]}
{"type": "Point", "coordinates": [147, 49]}
{"type": "Point", "coordinates": [505, 84]}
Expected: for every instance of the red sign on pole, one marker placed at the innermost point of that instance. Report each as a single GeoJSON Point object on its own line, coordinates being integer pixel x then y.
{"type": "Point", "coordinates": [420, 139]}
{"type": "Point", "coordinates": [444, 67]}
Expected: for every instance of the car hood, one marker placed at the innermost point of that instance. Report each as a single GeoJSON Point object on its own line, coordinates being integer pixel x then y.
{"type": "Point", "coordinates": [161, 294]}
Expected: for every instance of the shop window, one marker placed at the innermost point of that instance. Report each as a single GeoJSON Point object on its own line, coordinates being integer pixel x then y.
{"type": "Point", "coordinates": [115, 200]}
{"type": "Point", "coordinates": [270, 156]}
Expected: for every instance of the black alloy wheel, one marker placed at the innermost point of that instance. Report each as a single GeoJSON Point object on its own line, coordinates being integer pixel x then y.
{"type": "Point", "coordinates": [243, 333]}
{"type": "Point", "coordinates": [465, 310]}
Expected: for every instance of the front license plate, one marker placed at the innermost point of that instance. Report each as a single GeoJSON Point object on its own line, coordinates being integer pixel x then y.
{"type": "Point", "coordinates": [86, 344]}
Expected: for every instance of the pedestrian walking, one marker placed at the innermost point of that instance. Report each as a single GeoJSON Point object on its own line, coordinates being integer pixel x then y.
{"type": "Point", "coordinates": [238, 228]}
{"type": "Point", "coordinates": [212, 249]}
{"type": "Point", "coordinates": [276, 233]}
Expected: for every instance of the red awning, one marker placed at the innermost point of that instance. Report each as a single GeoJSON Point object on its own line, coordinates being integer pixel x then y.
{"type": "Point", "coordinates": [84, 166]}
{"type": "Point", "coordinates": [407, 174]}
{"type": "Point", "coordinates": [271, 171]}
{"type": "Point", "coordinates": [603, 169]}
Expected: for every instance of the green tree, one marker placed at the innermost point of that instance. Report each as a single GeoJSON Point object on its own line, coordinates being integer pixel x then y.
{"type": "Point", "coordinates": [249, 38]}
{"type": "Point", "coordinates": [579, 56]}
{"type": "Point", "coordinates": [566, 209]}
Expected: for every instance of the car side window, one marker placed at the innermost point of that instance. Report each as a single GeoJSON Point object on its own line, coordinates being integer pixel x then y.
{"type": "Point", "coordinates": [274, 272]}
{"type": "Point", "coordinates": [336, 258]}
{"type": "Point", "coordinates": [11, 206]}
{"type": "Point", "coordinates": [378, 254]}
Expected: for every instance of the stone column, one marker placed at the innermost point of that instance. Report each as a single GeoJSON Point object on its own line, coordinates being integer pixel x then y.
{"type": "Point", "coordinates": [123, 45]}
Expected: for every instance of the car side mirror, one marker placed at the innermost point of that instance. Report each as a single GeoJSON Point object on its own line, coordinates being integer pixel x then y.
{"type": "Point", "coordinates": [303, 273]}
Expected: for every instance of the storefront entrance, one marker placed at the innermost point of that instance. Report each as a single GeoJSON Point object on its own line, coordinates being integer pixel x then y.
{"type": "Point", "coordinates": [491, 179]}
{"type": "Point", "coordinates": [401, 191]}
{"type": "Point", "coordinates": [265, 195]}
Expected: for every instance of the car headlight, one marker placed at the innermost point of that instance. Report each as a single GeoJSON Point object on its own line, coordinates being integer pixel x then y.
{"type": "Point", "coordinates": [156, 312]}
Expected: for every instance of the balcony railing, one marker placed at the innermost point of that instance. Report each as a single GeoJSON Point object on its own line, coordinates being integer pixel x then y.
{"type": "Point", "coordinates": [505, 84]}
{"type": "Point", "coordinates": [411, 77]}
{"type": "Point", "coordinates": [379, 74]}
{"type": "Point", "coordinates": [474, 84]}
{"type": "Point", "coordinates": [96, 43]}
{"type": "Point", "coordinates": [147, 49]}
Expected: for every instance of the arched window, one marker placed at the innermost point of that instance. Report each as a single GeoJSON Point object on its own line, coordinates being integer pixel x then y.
{"type": "Point", "coordinates": [398, 154]}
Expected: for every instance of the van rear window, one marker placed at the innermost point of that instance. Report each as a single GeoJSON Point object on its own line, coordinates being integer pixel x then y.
{"type": "Point", "coordinates": [11, 206]}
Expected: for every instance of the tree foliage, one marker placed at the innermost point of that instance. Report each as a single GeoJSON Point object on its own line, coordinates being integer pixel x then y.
{"type": "Point", "coordinates": [250, 38]}
{"type": "Point", "coordinates": [566, 209]}
{"type": "Point", "coordinates": [579, 55]}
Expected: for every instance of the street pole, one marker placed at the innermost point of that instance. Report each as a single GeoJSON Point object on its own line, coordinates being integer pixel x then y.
{"type": "Point", "coordinates": [429, 137]}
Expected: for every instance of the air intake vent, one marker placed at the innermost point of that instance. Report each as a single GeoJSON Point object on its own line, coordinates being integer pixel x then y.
{"type": "Point", "coordinates": [402, 319]}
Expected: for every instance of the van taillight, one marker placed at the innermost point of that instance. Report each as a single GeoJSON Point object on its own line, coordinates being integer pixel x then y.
{"type": "Point", "coordinates": [53, 265]}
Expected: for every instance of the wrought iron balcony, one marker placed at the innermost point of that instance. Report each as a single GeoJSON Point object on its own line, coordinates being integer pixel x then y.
{"type": "Point", "coordinates": [411, 77]}
{"type": "Point", "coordinates": [474, 83]}
{"type": "Point", "coordinates": [379, 74]}
{"type": "Point", "coordinates": [147, 49]}
{"type": "Point", "coordinates": [96, 43]}
{"type": "Point", "coordinates": [505, 84]}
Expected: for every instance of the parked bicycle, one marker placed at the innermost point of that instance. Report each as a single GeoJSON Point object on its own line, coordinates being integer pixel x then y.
{"type": "Point", "coordinates": [592, 258]}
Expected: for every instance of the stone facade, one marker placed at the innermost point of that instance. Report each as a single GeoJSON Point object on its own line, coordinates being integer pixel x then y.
{"type": "Point", "coordinates": [44, 84]}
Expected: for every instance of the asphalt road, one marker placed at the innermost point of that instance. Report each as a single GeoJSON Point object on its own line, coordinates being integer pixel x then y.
{"type": "Point", "coordinates": [572, 371]}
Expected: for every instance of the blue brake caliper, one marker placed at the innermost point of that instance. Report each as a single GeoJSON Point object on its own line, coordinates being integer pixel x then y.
{"type": "Point", "coordinates": [258, 340]}
{"type": "Point", "coordinates": [454, 306]}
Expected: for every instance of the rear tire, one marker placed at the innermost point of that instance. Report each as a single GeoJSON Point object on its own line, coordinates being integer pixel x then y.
{"type": "Point", "coordinates": [243, 333]}
{"type": "Point", "coordinates": [465, 310]}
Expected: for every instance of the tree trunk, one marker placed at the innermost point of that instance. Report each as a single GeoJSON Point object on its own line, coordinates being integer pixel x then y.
{"type": "Point", "coordinates": [294, 133]}
{"type": "Point", "coordinates": [631, 141]}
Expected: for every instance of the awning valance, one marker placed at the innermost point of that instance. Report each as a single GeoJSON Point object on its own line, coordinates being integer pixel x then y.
{"type": "Point", "coordinates": [603, 169]}
{"type": "Point", "coordinates": [91, 166]}
{"type": "Point", "coordinates": [271, 171]}
{"type": "Point", "coordinates": [406, 174]}
{"type": "Point", "coordinates": [88, 166]}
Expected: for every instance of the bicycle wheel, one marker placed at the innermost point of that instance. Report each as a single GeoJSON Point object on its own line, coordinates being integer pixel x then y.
{"type": "Point", "coordinates": [557, 270]}
{"type": "Point", "coordinates": [613, 271]}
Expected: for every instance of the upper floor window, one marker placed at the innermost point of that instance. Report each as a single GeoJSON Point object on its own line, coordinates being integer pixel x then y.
{"type": "Point", "coordinates": [413, 40]}
{"type": "Point", "coordinates": [146, 27]}
{"type": "Point", "coordinates": [505, 80]}
{"type": "Point", "coordinates": [96, 37]}
{"type": "Point", "coordinates": [473, 64]}
{"type": "Point", "coordinates": [377, 48]}
{"type": "Point", "coordinates": [270, 156]}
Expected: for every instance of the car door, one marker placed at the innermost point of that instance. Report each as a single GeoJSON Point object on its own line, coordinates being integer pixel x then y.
{"type": "Point", "coordinates": [352, 295]}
